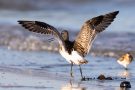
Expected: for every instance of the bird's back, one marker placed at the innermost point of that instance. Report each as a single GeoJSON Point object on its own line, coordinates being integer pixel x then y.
{"type": "Point", "coordinates": [69, 46]}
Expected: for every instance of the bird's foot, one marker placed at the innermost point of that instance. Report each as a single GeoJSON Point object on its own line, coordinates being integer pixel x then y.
{"type": "Point", "coordinates": [83, 78]}
{"type": "Point", "coordinates": [87, 78]}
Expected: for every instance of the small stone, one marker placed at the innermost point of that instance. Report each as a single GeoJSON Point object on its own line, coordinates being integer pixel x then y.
{"type": "Point", "coordinates": [115, 78]}
{"type": "Point", "coordinates": [125, 84]}
{"type": "Point", "coordinates": [90, 78]}
{"type": "Point", "coordinates": [109, 78]}
{"type": "Point", "coordinates": [123, 78]}
{"type": "Point", "coordinates": [101, 77]}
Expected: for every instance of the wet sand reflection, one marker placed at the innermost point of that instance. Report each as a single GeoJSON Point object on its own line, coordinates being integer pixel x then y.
{"type": "Point", "coordinates": [73, 86]}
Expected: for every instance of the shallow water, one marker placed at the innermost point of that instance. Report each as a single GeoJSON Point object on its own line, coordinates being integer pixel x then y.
{"type": "Point", "coordinates": [39, 70]}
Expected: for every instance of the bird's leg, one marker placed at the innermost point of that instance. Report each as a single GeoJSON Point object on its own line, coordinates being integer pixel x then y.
{"type": "Point", "coordinates": [81, 71]}
{"type": "Point", "coordinates": [71, 71]}
{"type": "Point", "coordinates": [126, 68]}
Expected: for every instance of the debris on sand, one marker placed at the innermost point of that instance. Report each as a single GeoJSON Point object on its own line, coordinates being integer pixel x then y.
{"type": "Point", "coordinates": [101, 77]}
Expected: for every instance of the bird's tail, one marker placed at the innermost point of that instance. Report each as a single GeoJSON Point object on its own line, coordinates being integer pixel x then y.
{"type": "Point", "coordinates": [84, 61]}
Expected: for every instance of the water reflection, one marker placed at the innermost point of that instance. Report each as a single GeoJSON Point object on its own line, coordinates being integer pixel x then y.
{"type": "Point", "coordinates": [73, 86]}
{"type": "Point", "coordinates": [124, 88]}
{"type": "Point", "coordinates": [125, 74]}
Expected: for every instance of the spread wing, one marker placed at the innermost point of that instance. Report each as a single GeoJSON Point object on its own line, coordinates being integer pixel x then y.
{"type": "Point", "coordinates": [90, 29]}
{"type": "Point", "coordinates": [43, 28]}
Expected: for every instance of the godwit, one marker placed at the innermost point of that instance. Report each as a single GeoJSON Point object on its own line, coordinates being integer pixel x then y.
{"type": "Point", "coordinates": [74, 51]}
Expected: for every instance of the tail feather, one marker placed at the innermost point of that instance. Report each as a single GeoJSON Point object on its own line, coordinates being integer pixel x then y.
{"type": "Point", "coordinates": [83, 61]}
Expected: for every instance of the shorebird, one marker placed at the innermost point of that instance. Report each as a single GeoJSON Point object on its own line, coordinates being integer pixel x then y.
{"type": "Point", "coordinates": [125, 60]}
{"type": "Point", "coordinates": [74, 51]}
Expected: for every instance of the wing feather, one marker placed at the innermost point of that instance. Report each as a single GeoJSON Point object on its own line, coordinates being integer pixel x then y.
{"type": "Point", "coordinates": [43, 28]}
{"type": "Point", "coordinates": [89, 31]}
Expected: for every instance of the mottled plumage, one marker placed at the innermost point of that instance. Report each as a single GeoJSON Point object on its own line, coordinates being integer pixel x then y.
{"type": "Point", "coordinates": [125, 60]}
{"type": "Point", "coordinates": [74, 51]}
{"type": "Point", "coordinates": [89, 31]}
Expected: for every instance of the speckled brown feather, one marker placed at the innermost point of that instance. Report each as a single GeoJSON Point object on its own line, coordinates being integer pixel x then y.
{"type": "Point", "coordinates": [127, 57]}
{"type": "Point", "coordinates": [89, 30]}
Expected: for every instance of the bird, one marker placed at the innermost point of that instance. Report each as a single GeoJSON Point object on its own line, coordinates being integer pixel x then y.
{"type": "Point", "coordinates": [125, 60]}
{"type": "Point", "coordinates": [74, 51]}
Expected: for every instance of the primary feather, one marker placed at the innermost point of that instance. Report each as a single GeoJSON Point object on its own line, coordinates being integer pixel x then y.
{"type": "Point", "coordinates": [43, 28]}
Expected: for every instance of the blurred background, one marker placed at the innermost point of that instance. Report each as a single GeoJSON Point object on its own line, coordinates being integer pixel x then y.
{"type": "Point", "coordinates": [69, 15]}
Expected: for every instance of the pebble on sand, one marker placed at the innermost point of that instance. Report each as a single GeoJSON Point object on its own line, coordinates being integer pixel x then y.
{"type": "Point", "coordinates": [125, 84]}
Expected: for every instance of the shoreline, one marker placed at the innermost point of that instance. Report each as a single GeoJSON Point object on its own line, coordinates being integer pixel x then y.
{"type": "Point", "coordinates": [106, 44]}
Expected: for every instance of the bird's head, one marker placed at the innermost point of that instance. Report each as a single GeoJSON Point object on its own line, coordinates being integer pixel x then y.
{"type": "Point", "coordinates": [128, 57]}
{"type": "Point", "coordinates": [65, 35]}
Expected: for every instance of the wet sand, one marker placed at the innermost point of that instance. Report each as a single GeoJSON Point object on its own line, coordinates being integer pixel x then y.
{"type": "Point", "coordinates": [29, 79]}
{"type": "Point", "coordinates": [32, 73]}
